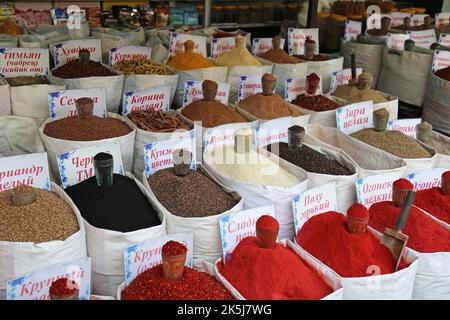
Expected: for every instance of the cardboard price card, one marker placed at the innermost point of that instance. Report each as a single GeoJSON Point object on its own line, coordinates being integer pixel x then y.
{"type": "Point", "coordinates": [36, 285]}
{"type": "Point", "coordinates": [293, 87]}
{"type": "Point", "coordinates": [223, 135]}
{"type": "Point", "coordinates": [418, 20]}
{"type": "Point", "coordinates": [272, 131]}
{"type": "Point", "coordinates": [128, 52]}
{"type": "Point", "coordinates": [444, 39]}
{"type": "Point", "coordinates": [377, 188]}
{"type": "Point", "coordinates": [238, 225]}
{"type": "Point", "coordinates": [157, 98]}
{"type": "Point", "coordinates": [24, 62]}
{"type": "Point", "coordinates": [62, 103]}
{"type": "Point", "coordinates": [249, 85]}
{"type": "Point", "coordinates": [193, 92]}
{"type": "Point", "coordinates": [313, 202]}
{"type": "Point", "coordinates": [427, 179]}
{"type": "Point", "coordinates": [423, 38]}
{"type": "Point", "coordinates": [177, 40]}
{"type": "Point", "coordinates": [352, 30]}
{"type": "Point", "coordinates": [396, 41]}
{"type": "Point", "coordinates": [441, 18]}
{"type": "Point", "coordinates": [77, 165]}
{"type": "Point", "coordinates": [67, 51]}
{"type": "Point", "coordinates": [261, 45]}
{"type": "Point", "coordinates": [147, 254]}
{"type": "Point", "coordinates": [158, 155]}
{"type": "Point", "coordinates": [297, 38]}
{"type": "Point", "coordinates": [355, 117]}
{"type": "Point", "coordinates": [222, 45]}
{"type": "Point", "coordinates": [398, 17]}
{"type": "Point", "coordinates": [407, 126]}
{"type": "Point", "coordinates": [342, 77]}
{"type": "Point", "coordinates": [441, 60]}
{"type": "Point", "coordinates": [29, 169]}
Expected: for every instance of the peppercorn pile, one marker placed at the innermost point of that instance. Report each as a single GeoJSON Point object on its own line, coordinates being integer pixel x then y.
{"type": "Point", "coordinates": [121, 207]}
{"type": "Point", "coordinates": [77, 69]}
{"type": "Point", "coordinates": [63, 287]}
{"type": "Point", "coordinates": [271, 274]}
{"type": "Point", "coordinates": [194, 285]}
{"type": "Point", "coordinates": [267, 107]}
{"type": "Point", "coordinates": [93, 128]}
{"type": "Point", "coordinates": [140, 65]}
{"type": "Point", "coordinates": [26, 81]}
{"type": "Point", "coordinates": [158, 121]}
{"type": "Point", "coordinates": [315, 103]}
{"type": "Point", "coordinates": [443, 73]}
{"type": "Point", "coordinates": [193, 195]}
{"type": "Point", "coordinates": [309, 159]}
{"type": "Point", "coordinates": [48, 218]}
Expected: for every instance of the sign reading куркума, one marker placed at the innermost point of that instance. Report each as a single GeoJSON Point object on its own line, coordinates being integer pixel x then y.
{"type": "Point", "coordinates": [24, 62]}
{"type": "Point", "coordinates": [157, 98]}
{"type": "Point", "coordinates": [355, 117]}
{"type": "Point", "coordinates": [67, 51]}
{"type": "Point", "coordinates": [128, 52]}
{"type": "Point", "coordinates": [193, 92]}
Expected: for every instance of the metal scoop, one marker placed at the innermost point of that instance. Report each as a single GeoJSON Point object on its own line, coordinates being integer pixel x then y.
{"type": "Point", "coordinates": [394, 239]}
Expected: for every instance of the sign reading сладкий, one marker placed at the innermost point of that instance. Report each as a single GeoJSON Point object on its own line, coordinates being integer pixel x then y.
{"type": "Point", "coordinates": [157, 98]}
{"type": "Point", "coordinates": [355, 117]}
{"type": "Point", "coordinates": [67, 51]}
{"type": "Point", "coordinates": [23, 62]}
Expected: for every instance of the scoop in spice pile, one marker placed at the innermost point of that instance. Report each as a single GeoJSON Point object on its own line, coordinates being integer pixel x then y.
{"type": "Point", "coordinates": [64, 289]}
{"type": "Point", "coordinates": [267, 105]}
{"type": "Point", "coordinates": [238, 56]}
{"type": "Point", "coordinates": [277, 54]}
{"type": "Point", "coordinates": [305, 157]}
{"type": "Point", "coordinates": [27, 80]}
{"type": "Point", "coordinates": [344, 244]}
{"type": "Point", "coordinates": [209, 111]}
{"type": "Point", "coordinates": [189, 59]}
{"type": "Point", "coordinates": [158, 121]}
{"type": "Point", "coordinates": [392, 141]}
{"type": "Point", "coordinates": [261, 269]}
{"type": "Point", "coordinates": [85, 126]}
{"type": "Point", "coordinates": [310, 49]}
{"type": "Point", "coordinates": [156, 283]}
{"type": "Point", "coordinates": [425, 234]}
{"type": "Point", "coordinates": [385, 23]}
{"type": "Point", "coordinates": [425, 135]}
{"type": "Point", "coordinates": [140, 65]}
{"type": "Point", "coordinates": [35, 215]}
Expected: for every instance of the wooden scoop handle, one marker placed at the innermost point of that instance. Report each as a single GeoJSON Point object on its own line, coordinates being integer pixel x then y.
{"type": "Point", "coordinates": [405, 210]}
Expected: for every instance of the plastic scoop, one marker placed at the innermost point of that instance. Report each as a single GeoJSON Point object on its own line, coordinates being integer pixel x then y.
{"type": "Point", "coordinates": [104, 169]}
{"type": "Point", "coordinates": [394, 239]}
{"type": "Point", "coordinates": [84, 56]}
{"type": "Point", "coordinates": [85, 108]}
{"type": "Point", "coordinates": [182, 160]}
{"type": "Point", "coordinates": [23, 196]}
{"type": "Point", "coordinates": [267, 228]}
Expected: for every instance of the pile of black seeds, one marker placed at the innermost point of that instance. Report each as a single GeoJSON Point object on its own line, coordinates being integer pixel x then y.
{"type": "Point", "coordinates": [122, 207]}
{"type": "Point", "coordinates": [310, 160]}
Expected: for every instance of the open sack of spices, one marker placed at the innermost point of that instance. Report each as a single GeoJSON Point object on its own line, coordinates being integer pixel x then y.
{"type": "Point", "coordinates": [241, 62]}
{"type": "Point", "coordinates": [436, 140]}
{"type": "Point", "coordinates": [190, 65]}
{"type": "Point", "coordinates": [192, 201]}
{"type": "Point", "coordinates": [379, 35]}
{"type": "Point", "coordinates": [140, 73]}
{"type": "Point", "coordinates": [417, 155]}
{"type": "Point", "coordinates": [260, 268]}
{"type": "Point", "coordinates": [173, 280]}
{"type": "Point", "coordinates": [323, 164]}
{"type": "Point", "coordinates": [39, 228]}
{"type": "Point", "coordinates": [268, 106]}
{"type": "Point", "coordinates": [84, 73]}
{"type": "Point", "coordinates": [284, 66]}
{"type": "Point", "coordinates": [321, 107]}
{"type": "Point", "coordinates": [355, 253]}
{"type": "Point", "coordinates": [258, 176]}
{"type": "Point", "coordinates": [5, 103]}
{"type": "Point", "coordinates": [117, 212]}
{"type": "Point", "coordinates": [85, 129]}
{"type": "Point", "coordinates": [429, 238]}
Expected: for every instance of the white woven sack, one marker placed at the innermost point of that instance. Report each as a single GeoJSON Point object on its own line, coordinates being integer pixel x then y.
{"type": "Point", "coordinates": [328, 275]}
{"type": "Point", "coordinates": [18, 134]}
{"type": "Point", "coordinates": [55, 146]}
{"type": "Point", "coordinates": [442, 160]}
{"type": "Point", "coordinates": [325, 69]}
{"type": "Point", "coordinates": [325, 118]}
{"type": "Point", "coordinates": [19, 258]}
{"type": "Point", "coordinates": [390, 105]}
{"type": "Point", "coordinates": [436, 109]}
{"type": "Point", "coordinates": [7, 41]}
{"type": "Point", "coordinates": [207, 241]}
{"type": "Point", "coordinates": [5, 102]}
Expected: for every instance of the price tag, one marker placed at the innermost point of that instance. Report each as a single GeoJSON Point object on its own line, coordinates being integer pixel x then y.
{"type": "Point", "coordinates": [67, 51]}
{"type": "Point", "coordinates": [342, 77]}
{"type": "Point", "coordinates": [222, 45]}
{"type": "Point", "coordinates": [36, 285]}
{"type": "Point", "coordinates": [177, 40]}
{"type": "Point", "coordinates": [313, 202]}
{"type": "Point", "coordinates": [427, 179]}
{"type": "Point", "coordinates": [398, 17]}
{"type": "Point", "coordinates": [239, 225]}
{"type": "Point", "coordinates": [355, 117]}
{"type": "Point", "coordinates": [293, 87]}
{"type": "Point", "coordinates": [147, 254]}
{"type": "Point", "coordinates": [272, 131]}
{"type": "Point", "coordinates": [442, 18]}
{"type": "Point", "coordinates": [396, 41]}
{"type": "Point", "coordinates": [261, 45]}
{"type": "Point", "coordinates": [444, 39]}
{"type": "Point", "coordinates": [407, 126]}
{"type": "Point", "coordinates": [441, 60]}
{"type": "Point", "coordinates": [377, 188]}
{"type": "Point", "coordinates": [352, 30]}
{"type": "Point", "coordinates": [297, 38]}
{"type": "Point", "coordinates": [29, 169]}
{"type": "Point", "coordinates": [158, 155]}
{"type": "Point", "coordinates": [77, 165]}
{"type": "Point", "coordinates": [418, 20]}
{"type": "Point", "coordinates": [223, 135]}
{"type": "Point", "coordinates": [127, 53]}
{"type": "Point", "coordinates": [23, 62]}
{"type": "Point", "coordinates": [157, 98]}
{"type": "Point", "coordinates": [423, 39]}
{"type": "Point", "coordinates": [248, 86]}
{"type": "Point", "coordinates": [62, 103]}
{"type": "Point", "coordinates": [193, 92]}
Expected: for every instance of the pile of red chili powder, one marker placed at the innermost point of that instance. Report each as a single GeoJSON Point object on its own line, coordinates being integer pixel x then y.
{"type": "Point", "coordinates": [63, 287]}
{"type": "Point", "coordinates": [271, 274]}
